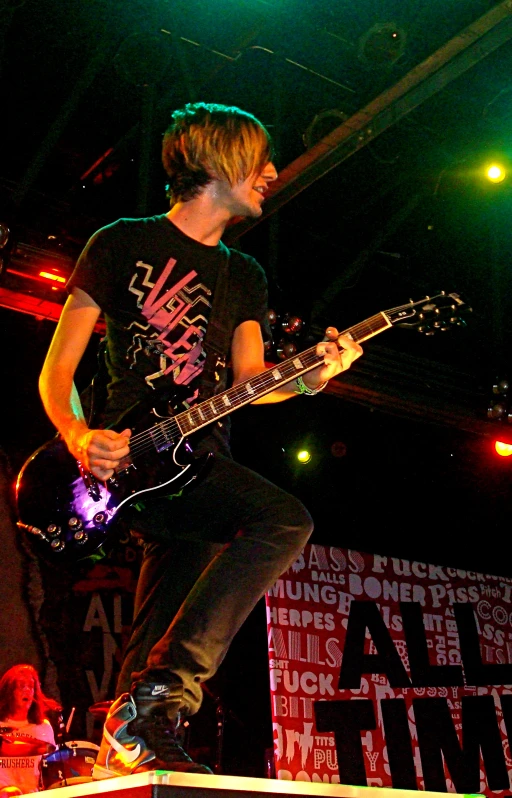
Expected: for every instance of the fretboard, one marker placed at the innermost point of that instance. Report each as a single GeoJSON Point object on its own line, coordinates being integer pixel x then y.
{"type": "Point", "coordinates": [244, 393]}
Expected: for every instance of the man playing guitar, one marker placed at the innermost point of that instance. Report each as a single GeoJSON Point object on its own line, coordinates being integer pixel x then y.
{"type": "Point", "coordinates": [155, 280]}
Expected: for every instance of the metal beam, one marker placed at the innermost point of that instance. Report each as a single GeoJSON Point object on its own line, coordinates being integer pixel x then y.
{"type": "Point", "coordinates": [450, 61]}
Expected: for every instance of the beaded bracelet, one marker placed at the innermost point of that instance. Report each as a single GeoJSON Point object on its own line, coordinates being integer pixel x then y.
{"type": "Point", "coordinates": [301, 387]}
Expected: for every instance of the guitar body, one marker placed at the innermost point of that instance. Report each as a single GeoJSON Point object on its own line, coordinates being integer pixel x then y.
{"type": "Point", "coordinates": [70, 516]}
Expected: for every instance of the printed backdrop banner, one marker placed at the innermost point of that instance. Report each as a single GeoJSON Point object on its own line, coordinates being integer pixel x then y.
{"type": "Point", "coordinates": [391, 673]}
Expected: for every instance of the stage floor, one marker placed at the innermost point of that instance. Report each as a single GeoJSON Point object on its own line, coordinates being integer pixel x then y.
{"type": "Point", "coordinates": [169, 784]}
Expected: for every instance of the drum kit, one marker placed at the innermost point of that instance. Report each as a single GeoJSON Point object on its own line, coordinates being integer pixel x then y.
{"type": "Point", "coordinates": [70, 763]}
{"type": "Point", "coordinates": [60, 766]}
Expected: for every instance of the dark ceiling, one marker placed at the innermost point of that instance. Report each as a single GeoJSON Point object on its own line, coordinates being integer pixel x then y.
{"type": "Point", "coordinates": [417, 96]}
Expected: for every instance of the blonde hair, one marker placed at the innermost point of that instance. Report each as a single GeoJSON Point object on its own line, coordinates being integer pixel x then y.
{"type": "Point", "coordinates": [207, 141]}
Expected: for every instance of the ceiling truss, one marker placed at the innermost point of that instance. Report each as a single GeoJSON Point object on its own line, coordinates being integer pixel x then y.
{"type": "Point", "coordinates": [450, 61]}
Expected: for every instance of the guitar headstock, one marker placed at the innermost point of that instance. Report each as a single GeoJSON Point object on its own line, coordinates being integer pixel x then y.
{"type": "Point", "coordinates": [431, 314]}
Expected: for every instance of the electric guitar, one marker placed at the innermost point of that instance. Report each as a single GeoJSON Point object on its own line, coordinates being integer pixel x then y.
{"type": "Point", "coordinates": [69, 515]}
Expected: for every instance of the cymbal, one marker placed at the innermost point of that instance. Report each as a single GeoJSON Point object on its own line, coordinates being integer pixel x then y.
{"type": "Point", "coordinates": [23, 746]}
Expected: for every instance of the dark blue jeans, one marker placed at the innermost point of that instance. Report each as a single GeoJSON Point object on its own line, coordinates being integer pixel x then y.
{"type": "Point", "coordinates": [209, 556]}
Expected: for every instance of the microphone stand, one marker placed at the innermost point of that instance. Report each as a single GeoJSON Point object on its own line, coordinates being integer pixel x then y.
{"type": "Point", "coordinates": [221, 719]}
{"type": "Point", "coordinates": [61, 743]}
{"type": "Point", "coordinates": [221, 713]}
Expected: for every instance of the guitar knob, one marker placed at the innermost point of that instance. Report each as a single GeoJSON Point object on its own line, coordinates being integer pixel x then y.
{"type": "Point", "coordinates": [81, 536]}
{"type": "Point", "coordinates": [57, 544]}
{"type": "Point", "coordinates": [74, 523]}
{"type": "Point", "coordinates": [53, 530]}
{"type": "Point", "coordinates": [100, 518]}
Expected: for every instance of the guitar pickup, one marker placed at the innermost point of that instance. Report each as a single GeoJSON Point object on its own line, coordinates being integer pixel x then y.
{"type": "Point", "coordinates": [160, 440]}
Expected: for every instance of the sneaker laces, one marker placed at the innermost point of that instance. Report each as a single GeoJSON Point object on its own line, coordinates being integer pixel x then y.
{"type": "Point", "coordinates": [159, 733]}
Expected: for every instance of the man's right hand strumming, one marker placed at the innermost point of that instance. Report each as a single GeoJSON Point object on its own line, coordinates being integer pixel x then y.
{"type": "Point", "coordinates": [100, 450]}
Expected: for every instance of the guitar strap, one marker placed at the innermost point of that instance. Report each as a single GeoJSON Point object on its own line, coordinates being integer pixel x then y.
{"type": "Point", "coordinates": [217, 336]}
{"type": "Point", "coordinates": [94, 395]}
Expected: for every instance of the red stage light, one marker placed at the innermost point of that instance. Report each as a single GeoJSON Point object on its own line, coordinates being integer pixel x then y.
{"type": "Point", "coordinates": [52, 276]}
{"type": "Point", "coordinates": [503, 449]}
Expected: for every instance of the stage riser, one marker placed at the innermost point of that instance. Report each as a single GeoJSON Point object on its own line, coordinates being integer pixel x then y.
{"type": "Point", "coordinates": [164, 784]}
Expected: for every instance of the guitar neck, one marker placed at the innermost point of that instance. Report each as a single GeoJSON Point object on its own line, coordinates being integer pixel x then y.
{"type": "Point", "coordinates": [288, 370]}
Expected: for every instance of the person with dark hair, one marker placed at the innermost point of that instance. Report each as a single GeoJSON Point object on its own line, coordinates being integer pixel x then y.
{"type": "Point", "coordinates": [184, 315]}
{"type": "Point", "coordinates": [23, 718]}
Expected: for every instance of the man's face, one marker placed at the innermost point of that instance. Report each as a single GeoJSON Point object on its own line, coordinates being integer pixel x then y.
{"type": "Point", "coordinates": [246, 197]}
{"type": "Point", "coordinates": [23, 693]}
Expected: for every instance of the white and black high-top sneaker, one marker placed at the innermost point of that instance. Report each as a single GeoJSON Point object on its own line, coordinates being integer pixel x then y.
{"type": "Point", "coordinates": [157, 722]}
{"type": "Point", "coordinates": [121, 752]}
{"type": "Point", "coordinates": [139, 734]}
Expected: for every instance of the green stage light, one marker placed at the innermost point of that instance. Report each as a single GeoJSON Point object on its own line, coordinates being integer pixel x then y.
{"type": "Point", "coordinates": [304, 456]}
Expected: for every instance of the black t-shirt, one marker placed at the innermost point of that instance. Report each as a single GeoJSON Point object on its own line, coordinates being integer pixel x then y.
{"type": "Point", "coordinates": [155, 286]}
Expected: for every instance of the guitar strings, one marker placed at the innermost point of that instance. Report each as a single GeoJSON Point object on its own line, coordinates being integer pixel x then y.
{"type": "Point", "coordinates": [165, 433]}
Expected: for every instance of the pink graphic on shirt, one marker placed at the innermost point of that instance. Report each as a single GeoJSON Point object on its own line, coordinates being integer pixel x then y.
{"type": "Point", "coordinates": [153, 306]}
{"type": "Point", "coordinates": [183, 355]}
